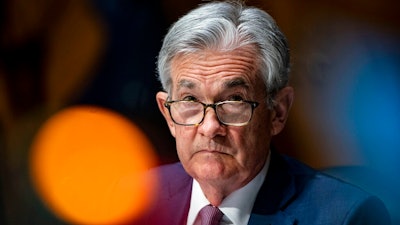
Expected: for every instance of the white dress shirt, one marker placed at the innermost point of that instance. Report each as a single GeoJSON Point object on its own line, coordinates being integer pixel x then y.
{"type": "Point", "coordinates": [236, 207]}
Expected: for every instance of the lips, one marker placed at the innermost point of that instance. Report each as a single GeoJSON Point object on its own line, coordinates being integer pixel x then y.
{"type": "Point", "coordinates": [211, 147]}
{"type": "Point", "coordinates": [207, 151]}
{"type": "Point", "coordinates": [211, 151]}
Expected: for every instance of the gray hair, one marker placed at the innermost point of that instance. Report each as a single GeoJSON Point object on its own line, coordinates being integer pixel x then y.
{"type": "Point", "coordinates": [226, 26]}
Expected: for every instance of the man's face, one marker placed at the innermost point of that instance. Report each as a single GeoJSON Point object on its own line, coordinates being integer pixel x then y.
{"type": "Point", "coordinates": [212, 152]}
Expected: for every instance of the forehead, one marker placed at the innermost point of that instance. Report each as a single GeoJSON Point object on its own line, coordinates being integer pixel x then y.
{"type": "Point", "coordinates": [233, 68]}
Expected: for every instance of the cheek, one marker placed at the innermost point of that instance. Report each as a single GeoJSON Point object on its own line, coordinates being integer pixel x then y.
{"type": "Point", "coordinates": [262, 122]}
{"type": "Point", "coordinates": [255, 140]}
{"type": "Point", "coordinates": [184, 139]}
{"type": "Point", "coordinates": [262, 136]}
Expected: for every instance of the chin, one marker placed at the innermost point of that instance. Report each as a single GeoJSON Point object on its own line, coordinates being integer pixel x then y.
{"type": "Point", "coordinates": [212, 170]}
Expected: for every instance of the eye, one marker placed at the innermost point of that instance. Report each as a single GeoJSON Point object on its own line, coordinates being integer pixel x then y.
{"type": "Point", "coordinates": [235, 98]}
{"type": "Point", "coordinates": [189, 98]}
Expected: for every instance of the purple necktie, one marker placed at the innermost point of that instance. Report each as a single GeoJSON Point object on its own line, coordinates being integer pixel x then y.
{"type": "Point", "coordinates": [210, 215]}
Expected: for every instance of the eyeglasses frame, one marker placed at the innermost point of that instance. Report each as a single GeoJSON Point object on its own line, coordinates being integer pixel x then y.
{"type": "Point", "coordinates": [253, 105]}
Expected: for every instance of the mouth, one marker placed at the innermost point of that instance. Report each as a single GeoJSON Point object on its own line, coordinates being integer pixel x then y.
{"type": "Point", "coordinates": [210, 151]}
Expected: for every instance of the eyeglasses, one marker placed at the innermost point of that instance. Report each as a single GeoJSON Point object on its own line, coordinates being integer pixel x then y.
{"type": "Point", "coordinates": [192, 113]}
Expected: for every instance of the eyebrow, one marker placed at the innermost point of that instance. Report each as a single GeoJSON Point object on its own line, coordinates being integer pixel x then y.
{"type": "Point", "coordinates": [186, 84]}
{"type": "Point", "coordinates": [237, 82]}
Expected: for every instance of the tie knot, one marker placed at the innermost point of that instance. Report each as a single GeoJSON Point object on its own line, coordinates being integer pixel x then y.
{"type": "Point", "coordinates": [210, 215]}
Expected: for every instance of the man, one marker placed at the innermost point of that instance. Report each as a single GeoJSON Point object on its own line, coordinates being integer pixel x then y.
{"type": "Point", "coordinates": [224, 68]}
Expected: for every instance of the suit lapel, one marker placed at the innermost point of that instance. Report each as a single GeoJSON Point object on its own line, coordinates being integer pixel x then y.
{"type": "Point", "coordinates": [279, 188]}
{"type": "Point", "coordinates": [180, 187]}
{"type": "Point", "coordinates": [172, 204]}
{"type": "Point", "coordinates": [278, 218]}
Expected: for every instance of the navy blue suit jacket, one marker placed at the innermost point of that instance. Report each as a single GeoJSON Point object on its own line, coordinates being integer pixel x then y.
{"type": "Point", "coordinates": [292, 193]}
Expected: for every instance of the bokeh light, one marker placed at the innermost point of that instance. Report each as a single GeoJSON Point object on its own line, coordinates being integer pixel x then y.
{"type": "Point", "coordinates": [88, 166]}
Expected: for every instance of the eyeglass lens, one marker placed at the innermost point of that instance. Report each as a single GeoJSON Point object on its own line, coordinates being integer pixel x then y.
{"type": "Point", "coordinates": [230, 112]}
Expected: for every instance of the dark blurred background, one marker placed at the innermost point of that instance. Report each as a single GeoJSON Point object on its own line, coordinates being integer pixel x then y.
{"type": "Point", "coordinates": [346, 73]}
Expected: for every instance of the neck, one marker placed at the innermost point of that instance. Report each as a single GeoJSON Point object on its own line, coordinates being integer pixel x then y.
{"type": "Point", "coordinates": [217, 191]}
{"type": "Point", "coordinates": [214, 194]}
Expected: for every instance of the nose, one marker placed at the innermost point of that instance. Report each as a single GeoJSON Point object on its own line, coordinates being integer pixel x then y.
{"type": "Point", "coordinates": [211, 127]}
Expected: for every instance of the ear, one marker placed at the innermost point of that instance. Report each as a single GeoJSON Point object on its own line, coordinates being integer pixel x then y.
{"type": "Point", "coordinates": [280, 112]}
{"type": "Point", "coordinates": [161, 98]}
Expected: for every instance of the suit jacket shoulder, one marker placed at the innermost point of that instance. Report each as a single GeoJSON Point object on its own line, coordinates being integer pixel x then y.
{"type": "Point", "coordinates": [173, 197]}
{"type": "Point", "coordinates": [294, 193]}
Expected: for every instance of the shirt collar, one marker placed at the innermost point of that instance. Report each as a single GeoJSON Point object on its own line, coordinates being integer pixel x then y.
{"type": "Point", "coordinates": [237, 206]}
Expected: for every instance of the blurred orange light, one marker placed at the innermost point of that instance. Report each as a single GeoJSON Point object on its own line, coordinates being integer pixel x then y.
{"type": "Point", "coordinates": [88, 166]}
